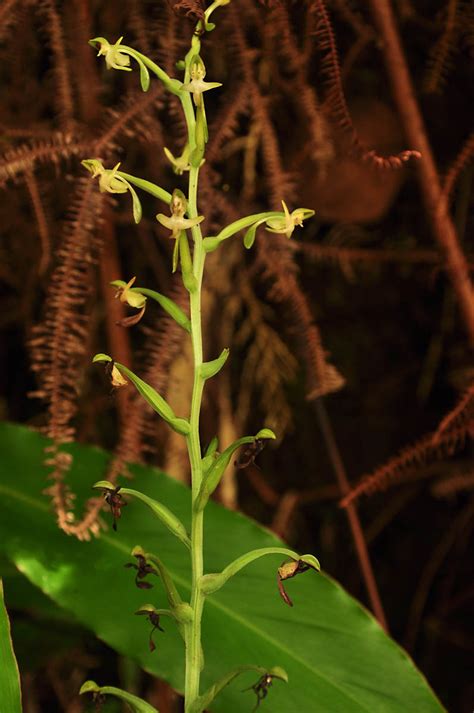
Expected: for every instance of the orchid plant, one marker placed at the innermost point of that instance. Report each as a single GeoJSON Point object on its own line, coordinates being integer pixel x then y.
{"type": "Point", "coordinates": [190, 249]}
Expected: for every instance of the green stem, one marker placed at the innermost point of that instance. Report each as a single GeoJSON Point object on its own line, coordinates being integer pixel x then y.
{"type": "Point", "coordinates": [193, 630]}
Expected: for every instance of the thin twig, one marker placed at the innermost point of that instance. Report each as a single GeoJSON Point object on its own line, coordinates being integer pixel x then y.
{"type": "Point", "coordinates": [435, 200]}
{"type": "Point", "coordinates": [352, 515]}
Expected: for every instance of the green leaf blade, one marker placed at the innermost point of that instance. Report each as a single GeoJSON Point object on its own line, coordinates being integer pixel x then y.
{"type": "Point", "coordinates": [10, 691]}
{"type": "Point", "coordinates": [336, 655]}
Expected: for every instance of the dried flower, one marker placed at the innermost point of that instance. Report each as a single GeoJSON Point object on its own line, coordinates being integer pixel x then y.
{"type": "Point", "coordinates": [287, 571]}
{"type": "Point", "coordinates": [143, 570]}
{"type": "Point", "coordinates": [113, 498]}
{"type": "Point", "coordinates": [154, 619]}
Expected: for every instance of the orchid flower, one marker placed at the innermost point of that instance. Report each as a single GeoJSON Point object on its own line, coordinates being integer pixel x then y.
{"type": "Point", "coordinates": [177, 222]}
{"type": "Point", "coordinates": [287, 223]}
{"type": "Point", "coordinates": [110, 181]}
{"type": "Point", "coordinates": [197, 85]}
{"type": "Point", "coordinates": [114, 57]}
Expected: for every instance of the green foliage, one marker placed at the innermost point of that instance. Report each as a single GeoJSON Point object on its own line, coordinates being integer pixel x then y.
{"type": "Point", "coordinates": [10, 692]}
{"type": "Point", "coordinates": [335, 654]}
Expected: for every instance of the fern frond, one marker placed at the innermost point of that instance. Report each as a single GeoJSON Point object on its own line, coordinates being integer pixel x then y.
{"type": "Point", "coordinates": [268, 365]}
{"type": "Point", "coordinates": [454, 484]}
{"type": "Point", "coordinates": [278, 267]}
{"type": "Point", "coordinates": [193, 9]}
{"type": "Point", "coordinates": [440, 59]}
{"type": "Point", "coordinates": [464, 157]}
{"type": "Point", "coordinates": [336, 101]}
{"type": "Point", "coordinates": [64, 97]}
{"type": "Point", "coordinates": [41, 222]}
{"type": "Point", "coordinates": [308, 103]}
{"type": "Point", "coordinates": [450, 436]}
{"type": "Point", "coordinates": [26, 157]}
{"type": "Point", "coordinates": [58, 344]}
{"type": "Point", "coordinates": [10, 14]}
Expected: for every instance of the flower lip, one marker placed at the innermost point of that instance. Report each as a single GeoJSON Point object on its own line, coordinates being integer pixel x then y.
{"type": "Point", "coordinates": [177, 223]}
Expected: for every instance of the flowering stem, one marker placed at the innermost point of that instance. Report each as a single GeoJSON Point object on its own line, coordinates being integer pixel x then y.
{"type": "Point", "coordinates": [193, 629]}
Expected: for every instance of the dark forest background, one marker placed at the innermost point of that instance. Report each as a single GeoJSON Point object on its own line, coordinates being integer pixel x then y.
{"type": "Point", "coordinates": [353, 340]}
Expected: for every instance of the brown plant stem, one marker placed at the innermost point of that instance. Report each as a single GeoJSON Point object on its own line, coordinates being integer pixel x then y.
{"type": "Point", "coordinates": [435, 201]}
{"type": "Point", "coordinates": [352, 515]}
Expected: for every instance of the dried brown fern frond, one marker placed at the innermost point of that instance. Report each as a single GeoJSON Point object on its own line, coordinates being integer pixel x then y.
{"type": "Point", "coordinates": [27, 156]}
{"type": "Point", "coordinates": [48, 10]}
{"type": "Point", "coordinates": [58, 344]}
{"type": "Point", "coordinates": [464, 157]}
{"type": "Point", "coordinates": [440, 59]}
{"type": "Point", "coordinates": [192, 9]}
{"type": "Point", "coordinates": [281, 183]}
{"type": "Point", "coordinates": [41, 222]}
{"type": "Point", "coordinates": [268, 364]}
{"type": "Point", "coordinates": [450, 486]}
{"type": "Point", "coordinates": [321, 148]}
{"type": "Point", "coordinates": [461, 416]}
{"type": "Point", "coordinates": [276, 259]}
{"type": "Point", "coordinates": [10, 15]}
{"type": "Point", "coordinates": [335, 99]}
{"type": "Point", "coordinates": [450, 436]}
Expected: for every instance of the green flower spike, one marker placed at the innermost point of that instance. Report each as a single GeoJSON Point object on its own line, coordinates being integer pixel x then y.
{"type": "Point", "coordinates": [110, 181]}
{"type": "Point", "coordinates": [114, 58]}
{"type": "Point", "coordinates": [287, 223]}
{"type": "Point", "coordinates": [177, 222]}
{"type": "Point", "coordinates": [197, 85]}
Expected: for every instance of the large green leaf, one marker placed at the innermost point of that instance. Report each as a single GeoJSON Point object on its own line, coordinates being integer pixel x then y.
{"type": "Point", "coordinates": [337, 658]}
{"type": "Point", "coordinates": [10, 693]}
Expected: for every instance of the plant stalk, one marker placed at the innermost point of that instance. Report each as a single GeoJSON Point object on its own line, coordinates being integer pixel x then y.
{"type": "Point", "coordinates": [193, 630]}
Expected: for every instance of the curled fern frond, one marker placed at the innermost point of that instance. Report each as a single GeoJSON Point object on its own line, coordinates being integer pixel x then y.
{"type": "Point", "coordinates": [335, 99]}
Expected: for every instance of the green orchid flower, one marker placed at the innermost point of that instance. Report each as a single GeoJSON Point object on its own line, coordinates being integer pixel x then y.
{"type": "Point", "coordinates": [177, 222]}
{"type": "Point", "coordinates": [287, 223]}
{"type": "Point", "coordinates": [134, 299]}
{"type": "Point", "coordinates": [180, 163]}
{"type": "Point", "coordinates": [197, 85]}
{"type": "Point", "coordinates": [125, 294]}
{"type": "Point", "coordinates": [110, 181]}
{"type": "Point", "coordinates": [114, 57]}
